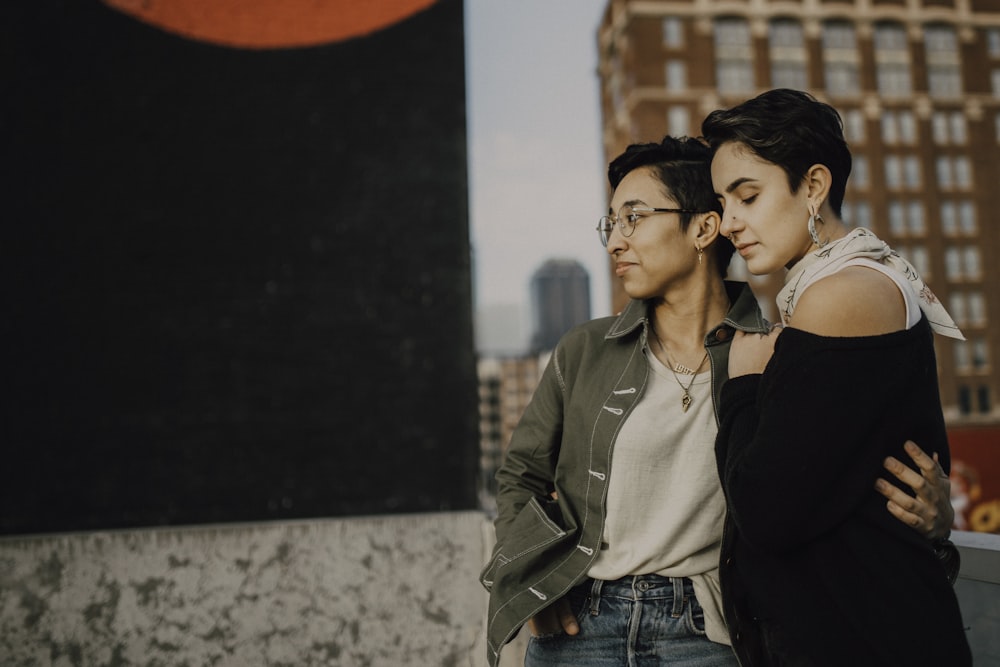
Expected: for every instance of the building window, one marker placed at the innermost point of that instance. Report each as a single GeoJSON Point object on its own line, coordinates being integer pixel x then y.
{"type": "Point", "coordinates": [673, 32]}
{"type": "Point", "coordinates": [973, 267]}
{"type": "Point", "coordinates": [977, 309]}
{"type": "Point", "coordinates": [953, 263]}
{"type": "Point", "coordinates": [980, 354]}
{"type": "Point", "coordinates": [854, 125]}
{"type": "Point", "coordinates": [733, 56]}
{"type": "Point", "coordinates": [921, 260]}
{"type": "Point", "coordinates": [953, 172]}
{"type": "Point", "coordinates": [676, 76]}
{"type": "Point", "coordinates": [678, 121]}
{"type": "Point", "coordinates": [962, 263]}
{"type": "Point", "coordinates": [897, 221]}
{"type": "Point", "coordinates": [964, 395]}
{"type": "Point", "coordinates": [892, 60]}
{"type": "Point", "coordinates": [963, 172]}
{"type": "Point", "coordinates": [894, 172]}
{"type": "Point", "coordinates": [956, 308]}
{"type": "Point", "coordinates": [983, 395]}
{"type": "Point", "coordinates": [995, 82]}
{"type": "Point", "coordinates": [917, 256]}
{"type": "Point", "coordinates": [857, 214]}
{"type": "Point", "coordinates": [949, 128]}
{"type": "Point", "coordinates": [993, 42]}
{"type": "Point", "coordinates": [911, 171]}
{"type": "Point", "coordinates": [908, 219]}
{"type": "Point", "coordinates": [967, 218]}
{"type": "Point", "coordinates": [899, 127]}
{"type": "Point", "coordinates": [944, 71]}
{"type": "Point", "coordinates": [859, 173]}
{"type": "Point", "coordinates": [788, 55]}
{"type": "Point", "coordinates": [915, 218]}
{"type": "Point", "coordinates": [949, 219]}
{"type": "Point", "coordinates": [963, 359]}
{"type": "Point", "coordinates": [840, 58]}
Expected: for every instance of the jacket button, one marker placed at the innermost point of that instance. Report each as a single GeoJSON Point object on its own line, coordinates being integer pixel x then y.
{"type": "Point", "coordinates": [722, 335]}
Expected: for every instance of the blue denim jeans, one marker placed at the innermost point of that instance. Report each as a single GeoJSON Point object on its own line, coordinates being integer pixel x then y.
{"type": "Point", "coordinates": [637, 621]}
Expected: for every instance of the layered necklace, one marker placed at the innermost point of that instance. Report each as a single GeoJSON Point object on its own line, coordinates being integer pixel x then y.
{"type": "Point", "coordinates": [676, 368]}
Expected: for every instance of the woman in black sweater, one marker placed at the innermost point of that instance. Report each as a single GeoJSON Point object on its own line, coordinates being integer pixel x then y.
{"type": "Point", "coordinates": [813, 572]}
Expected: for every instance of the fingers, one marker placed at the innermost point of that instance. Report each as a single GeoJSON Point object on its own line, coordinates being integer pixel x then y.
{"type": "Point", "coordinates": [567, 620]}
{"type": "Point", "coordinates": [553, 620]}
{"type": "Point", "coordinates": [928, 465]}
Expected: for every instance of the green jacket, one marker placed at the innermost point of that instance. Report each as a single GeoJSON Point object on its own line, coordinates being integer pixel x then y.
{"type": "Point", "coordinates": [563, 444]}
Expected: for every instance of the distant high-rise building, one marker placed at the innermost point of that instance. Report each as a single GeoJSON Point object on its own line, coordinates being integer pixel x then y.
{"type": "Point", "coordinates": [560, 299]}
{"type": "Point", "coordinates": [917, 83]}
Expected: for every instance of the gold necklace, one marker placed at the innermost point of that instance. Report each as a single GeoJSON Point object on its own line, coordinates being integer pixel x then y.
{"type": "Point", "coordinates": [686, 399]}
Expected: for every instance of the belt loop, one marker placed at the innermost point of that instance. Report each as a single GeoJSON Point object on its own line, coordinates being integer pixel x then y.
{"type": "Point", "coordinates": [595, 597]}
{"type": "Point", "coordinates": [678, 609]}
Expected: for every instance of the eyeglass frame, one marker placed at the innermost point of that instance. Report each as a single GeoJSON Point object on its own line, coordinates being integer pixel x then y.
{"type": "Point", "coordinates": [627, 229]}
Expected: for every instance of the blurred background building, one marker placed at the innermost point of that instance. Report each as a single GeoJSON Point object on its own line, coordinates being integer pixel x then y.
{"type": "Point", "coordinates": [560, 299]}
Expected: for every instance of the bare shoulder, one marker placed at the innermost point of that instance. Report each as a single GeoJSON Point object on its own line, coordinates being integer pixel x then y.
{"type": "Point", "coordinates": [856, 301]}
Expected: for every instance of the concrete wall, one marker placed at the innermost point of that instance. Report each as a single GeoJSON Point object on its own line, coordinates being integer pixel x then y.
{"type": "Point", "coordinates": [392, 590]}
{"type": "Point", "coordinates": [376, 591]}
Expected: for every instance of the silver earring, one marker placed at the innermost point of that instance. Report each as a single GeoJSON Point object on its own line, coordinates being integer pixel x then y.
{"type": "Point", "coordinates": [701, 253]}
{"type": "Point", "coordinates": [813, 219]}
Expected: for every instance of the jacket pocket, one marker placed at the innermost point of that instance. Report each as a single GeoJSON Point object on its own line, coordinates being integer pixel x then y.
{"type": "Point", "coordinates": [538, 526]}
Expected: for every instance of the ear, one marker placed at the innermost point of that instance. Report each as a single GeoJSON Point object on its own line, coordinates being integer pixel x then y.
{"type": "Point", "coordinates": [705, 228]}
{"type": "Point", "coordinates": [818, 180]}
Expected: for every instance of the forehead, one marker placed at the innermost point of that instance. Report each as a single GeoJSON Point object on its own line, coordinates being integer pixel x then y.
{"type": "Point", "coordinates": [641, 186]}
{"type": "Point", "coordinates": [737, 157]}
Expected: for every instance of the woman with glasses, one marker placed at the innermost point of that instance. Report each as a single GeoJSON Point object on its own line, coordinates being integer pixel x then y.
{"type": "Point", "coordinates": [610, 511]}
{"type": "Point", "coordinates": [815, 572]}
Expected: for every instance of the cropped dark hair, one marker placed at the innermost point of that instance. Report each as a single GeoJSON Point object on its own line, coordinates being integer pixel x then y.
{"type": "Point", "coordinates": [788, 128]}
{"type": "Point", "coordinates": [684, 167]}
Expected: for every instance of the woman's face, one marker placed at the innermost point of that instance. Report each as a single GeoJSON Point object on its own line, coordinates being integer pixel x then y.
{"type": "Point", "coordinates": [765, 220]}
{"type": "Point", "coordinates": [658, 255]}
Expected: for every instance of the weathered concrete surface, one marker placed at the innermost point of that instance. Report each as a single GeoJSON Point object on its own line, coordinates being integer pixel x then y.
{"type": "Point", "coordinates": [395, 590]}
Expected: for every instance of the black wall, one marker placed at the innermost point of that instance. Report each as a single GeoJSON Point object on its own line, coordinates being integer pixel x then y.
{"type": "Point", "coordinates": [237, 283]}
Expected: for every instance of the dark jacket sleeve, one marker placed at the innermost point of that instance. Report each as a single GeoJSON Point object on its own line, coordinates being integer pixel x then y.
{"type": "Point", "coordinates": [800, 447]}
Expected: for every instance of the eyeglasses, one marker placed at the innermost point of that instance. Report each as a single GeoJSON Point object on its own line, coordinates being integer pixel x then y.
{"type": "Point", "coordinates": [627, 217]}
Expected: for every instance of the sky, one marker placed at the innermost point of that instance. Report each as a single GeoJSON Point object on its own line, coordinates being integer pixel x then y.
{"type": "Point", "coordinates": [536, 162]}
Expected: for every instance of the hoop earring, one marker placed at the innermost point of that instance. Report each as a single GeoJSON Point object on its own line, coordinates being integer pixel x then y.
{"type": "Point", "coordinates": [813, 218]}
{"type": "Point", "coordinates": [701, 254]}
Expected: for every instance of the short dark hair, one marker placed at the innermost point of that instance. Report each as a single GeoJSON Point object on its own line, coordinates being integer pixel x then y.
{"type": "Point", "coordinates": [788, 128]}
{"type": "Point", "coordinates": [684, 167]}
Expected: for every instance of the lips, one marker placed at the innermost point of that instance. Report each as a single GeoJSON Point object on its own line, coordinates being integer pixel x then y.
{"type": "Point", "coordinates": [744, 248]}
{"type": "Point", "coordinates": [621, 268]}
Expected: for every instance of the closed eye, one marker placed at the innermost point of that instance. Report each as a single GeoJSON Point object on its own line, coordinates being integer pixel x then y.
{"type": "Point", "coordinates": [748, 200]}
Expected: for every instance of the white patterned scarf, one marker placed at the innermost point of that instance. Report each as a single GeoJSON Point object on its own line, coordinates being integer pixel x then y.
{"type": "Point", "coordinates": [862, 243]}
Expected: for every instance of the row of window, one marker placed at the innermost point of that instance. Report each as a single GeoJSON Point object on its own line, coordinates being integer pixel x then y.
{"type": "Point", "coordinates": [841, 57]}
{"type": "Point", "coordinates": [965, 405]}
{"type": "Point", "coordinates": [898, 127]}
{"type": "Point", "coordinates": [972, 355]}
{"type": "Point", "coordinates": [958, 218]}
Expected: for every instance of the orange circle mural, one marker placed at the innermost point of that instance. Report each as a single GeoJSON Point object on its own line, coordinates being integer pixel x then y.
{"type": "Point", "coordinates": [270, 24]}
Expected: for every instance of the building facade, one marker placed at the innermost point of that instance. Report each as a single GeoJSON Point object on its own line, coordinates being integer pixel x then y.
{"type": "Point", "coordinates": [917, 83]}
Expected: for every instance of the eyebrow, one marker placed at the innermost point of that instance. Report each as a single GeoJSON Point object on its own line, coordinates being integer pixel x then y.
{"type": "Point", "coordinates": [630, 202]}
{"type": "Point", "coordinates": [737, 183]}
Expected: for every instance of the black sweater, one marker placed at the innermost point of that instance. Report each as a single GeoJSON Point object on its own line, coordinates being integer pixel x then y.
{"type": "Point", "coordinates": [814, 568]}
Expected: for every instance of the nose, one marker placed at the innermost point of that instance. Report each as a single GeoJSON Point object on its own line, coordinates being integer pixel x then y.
{"type": "Point", "coordinates": [616, 241]}
{"type": "Point", "coordinates": [729, 224]}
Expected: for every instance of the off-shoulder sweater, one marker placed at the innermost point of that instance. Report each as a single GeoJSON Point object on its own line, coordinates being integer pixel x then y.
{"type": "Point", "coordinates": [813, 566]}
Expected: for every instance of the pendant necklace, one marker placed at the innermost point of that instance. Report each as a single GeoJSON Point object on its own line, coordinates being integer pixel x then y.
{"type": "Point", "coordinates": [686, 399]}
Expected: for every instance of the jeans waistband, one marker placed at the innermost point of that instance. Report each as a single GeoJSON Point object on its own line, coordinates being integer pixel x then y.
{"type": "Point", "coordinates": [642, 587]}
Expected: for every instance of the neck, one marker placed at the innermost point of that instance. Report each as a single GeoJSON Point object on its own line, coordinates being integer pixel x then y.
{"type": "Point", "coordinates": [682, 318]}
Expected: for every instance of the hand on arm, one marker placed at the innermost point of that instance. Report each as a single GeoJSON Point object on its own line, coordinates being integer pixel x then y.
{"type": "Point", "coordinates": [553, 620]}
{"type": "Point", "coordinates": [750, 352]}
{"type": "Point", "coordinates": [929, 512]}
